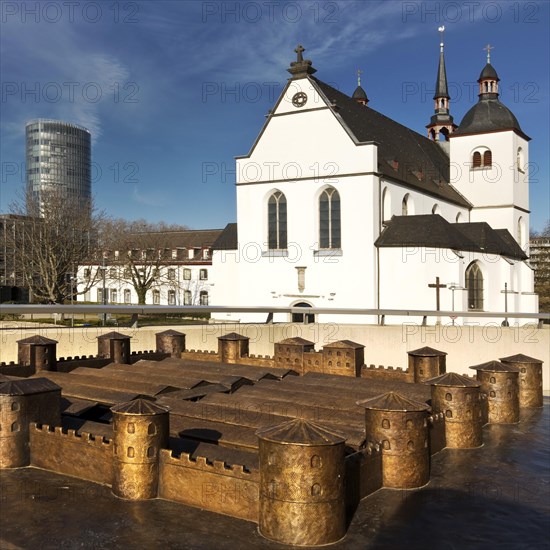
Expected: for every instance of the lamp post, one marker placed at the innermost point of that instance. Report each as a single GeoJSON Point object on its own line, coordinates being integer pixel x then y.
{"type": "Point", "coordinates": [104, 291]}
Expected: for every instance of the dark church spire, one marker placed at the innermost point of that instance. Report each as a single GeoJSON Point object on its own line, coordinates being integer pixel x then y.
{"type": "Point", "coordinates": [360, 95]}
{"type": "Point", "coordinates": [441, 123]}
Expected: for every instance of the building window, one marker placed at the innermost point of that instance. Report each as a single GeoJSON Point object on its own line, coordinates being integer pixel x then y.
{"type": "Point", "coordinates": [186, 274]}
{"type": "Point", "coordinates": [156, 297]}
{"type": "Point", "coordinates": [187, 299]}
{"type": "Point", "coordinates": [521, 232]}
{"type": "Point", "coordinates": [459, 218]}
{"type": "Point", "coordinates": [482, 158]}
{"type": "Point", "coordinates": [87, 274]}
{"type": "Point", "coordinates": [405, 205]}
{"type": "Point", "coordinates": [171, 297]}
{"type": "Point", "coordinates": [171, 274]}
{"type": "Point", "coordinates": [474, 285]}
{"type": "Point", "coordinates": [174, 254]}
{"type": "Point", "coordinates": [276, 221]}
{"type": "Point", "coordinates": [127, 296]}
{"type": "Point", "coordinates": [436, 209]}
{"type": "Point", "coordinates": [329, 219]}
{"type": "Point", "coordinates": [203, 274]}
{"type": "Point", "coordinates": [114, 296]}
{"type": "Point", "coordinates": [205, 254]}
{"type": "Point", "coordinates": [112, 273]}
{"type": "Point", "coordinates": [127, 273]}
{"type": "Point", "coordinates": [100, 295]}
{"type": "Point", "coordinates": [203, 298]}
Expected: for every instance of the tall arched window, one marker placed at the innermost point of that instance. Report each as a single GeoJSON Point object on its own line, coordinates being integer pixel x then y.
{"type": "Point", "coordinates": [329, 219]}
{"type": "Point", "coordinates": [476, 159]}
{"type": "Point", "coordinates": [474, 285]}
{"type": "Point", "coordinates": [520, 162]}
{"type": "Point", "coordinates": [386, 205]}
{"type": "Point", "coordinates": [406, 205]}
{"type": "Point", "coordinates": [459, 218]}
{"type": "Point", "coordinates": [487, 158]}
{"type": "Point", "coordinates": [276, 221]}
{"type": "Point", "coordinates": [203, 298]}
{"type": "Point", "coordinates": [436, 209]}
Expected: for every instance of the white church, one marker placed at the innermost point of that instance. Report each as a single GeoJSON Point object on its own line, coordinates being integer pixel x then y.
{"type": "Point", "coordinates": [339, 206]}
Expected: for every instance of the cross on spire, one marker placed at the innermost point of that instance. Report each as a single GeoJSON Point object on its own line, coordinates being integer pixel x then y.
{"type": "Point", "coordinates": [437, 287]}
{"type": "Point", "coordinates": [299, 51]}
{"type": "Point", "coordinates": [359, 73]}
{"type": "Point", "coordinates": [489, 48]}
{"type": "Point", "coordinates": [441, 31]}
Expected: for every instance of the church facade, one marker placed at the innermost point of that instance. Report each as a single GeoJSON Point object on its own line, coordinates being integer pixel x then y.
{"type": "Point", "coordinates": [339, 206]}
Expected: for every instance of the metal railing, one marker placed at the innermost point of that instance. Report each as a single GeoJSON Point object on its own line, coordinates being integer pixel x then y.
{"type": "Point", "coordinates": [13, 309]}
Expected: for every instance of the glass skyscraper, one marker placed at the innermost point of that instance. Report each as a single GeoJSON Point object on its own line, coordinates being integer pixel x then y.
{"type": "Point", "coordinates": [58, 159]}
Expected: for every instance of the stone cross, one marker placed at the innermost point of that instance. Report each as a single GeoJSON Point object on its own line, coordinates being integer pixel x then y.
{"type": "Point", "coordinates": [299, 51]}
{"type": "Point", "coordinates": [437, 286]}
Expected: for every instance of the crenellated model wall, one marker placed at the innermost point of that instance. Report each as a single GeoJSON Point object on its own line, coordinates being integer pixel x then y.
{"type": "Point", "coordinates": [232, 490]}
{"type": "Point", "coordinates": [79, 455]}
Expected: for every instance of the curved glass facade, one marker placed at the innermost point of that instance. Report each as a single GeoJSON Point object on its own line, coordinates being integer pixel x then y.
{"type": "Point", "coordinates": [58, 156]}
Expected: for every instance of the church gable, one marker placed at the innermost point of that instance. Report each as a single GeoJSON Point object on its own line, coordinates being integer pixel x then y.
{"type": "Point", "coordinates": [303, 139]}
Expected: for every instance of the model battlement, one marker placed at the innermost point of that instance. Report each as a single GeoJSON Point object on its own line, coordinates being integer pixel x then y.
{"type": "Point", "coordinates": [73, 435]}
{"type": "Point", "coordinates": [204, 463]}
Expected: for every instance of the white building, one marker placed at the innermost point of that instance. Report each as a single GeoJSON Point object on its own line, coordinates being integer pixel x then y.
{"type": "Point", "coordinates": [178, 265]}
{"type": "Point", "coordinates": [340, 206]}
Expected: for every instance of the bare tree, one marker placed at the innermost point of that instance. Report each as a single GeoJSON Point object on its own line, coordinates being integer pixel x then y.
{"type": "Point", "coordinates": [52, 237]}
{"type": "Point", "coordinates": [138, 253]}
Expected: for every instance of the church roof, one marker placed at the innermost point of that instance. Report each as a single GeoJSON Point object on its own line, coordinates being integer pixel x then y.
{"type": "Point", "coordinates": [422, 164]}
{"type": "Point", "coordinates": [441, 80]}
{"type": "Point", "coordinates": [227, 239]}
{"type": "Point", "coordinates": [488, 72]}
{"type": "Point", "coordinates": [434, 231]}
{"type": "Point", "coordinates": [359, 93]}
{"type": "Point", "coordinates": [489, 115]}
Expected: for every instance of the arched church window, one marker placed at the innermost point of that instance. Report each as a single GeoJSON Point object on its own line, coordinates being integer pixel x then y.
{"type": "Point", "coordinates": [203, 298]}
{"type": "Point", "coordinates": [436, 209]}
{"type": "Point", "coordinates": [386, 205]}
{"type": "Point", "coordinates": [476, 159]}
{"type": "Point", "coordinates": [474, 285]}
{"type": "Point", "coordinates": [329, 219]}
{"type": "Point", "coordinates": [482, 158]}
{"type": "Point", "coordinates": [276, 221]}
{"type": "Point", "coordinates": [487, 158]}
{"type": "Point", "coordinates": [459, 218]}
{"type": "Point", "coordinates": [407, 206]}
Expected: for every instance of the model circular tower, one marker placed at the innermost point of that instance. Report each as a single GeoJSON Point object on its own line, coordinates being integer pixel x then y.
{"type": "Point", "coordinates": [171, 341]}
{"type": "Point", "coordinates": [302, 500]}
{"type": "Point", "coordinates": [140, 430]}
{"type": "Point", "coordinates": [114, 346]}
{"type": "Point", "coordinates": [459, 399]}
{"type": "Point", "coordinates": [499, 381]}
{"type": "Point", "coordinates": [530, 379]}
{"type": "Point", "coordinates": [400, 425]}
{"type": "Point", "coordinates": [426, 362]}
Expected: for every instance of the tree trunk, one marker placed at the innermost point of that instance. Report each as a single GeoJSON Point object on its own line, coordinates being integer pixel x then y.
{"type": "Point", "coordinates": [141, 293]}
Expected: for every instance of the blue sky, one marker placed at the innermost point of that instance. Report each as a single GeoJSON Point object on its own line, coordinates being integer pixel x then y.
{"type": "Point", "coordinates": [173, 91]}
